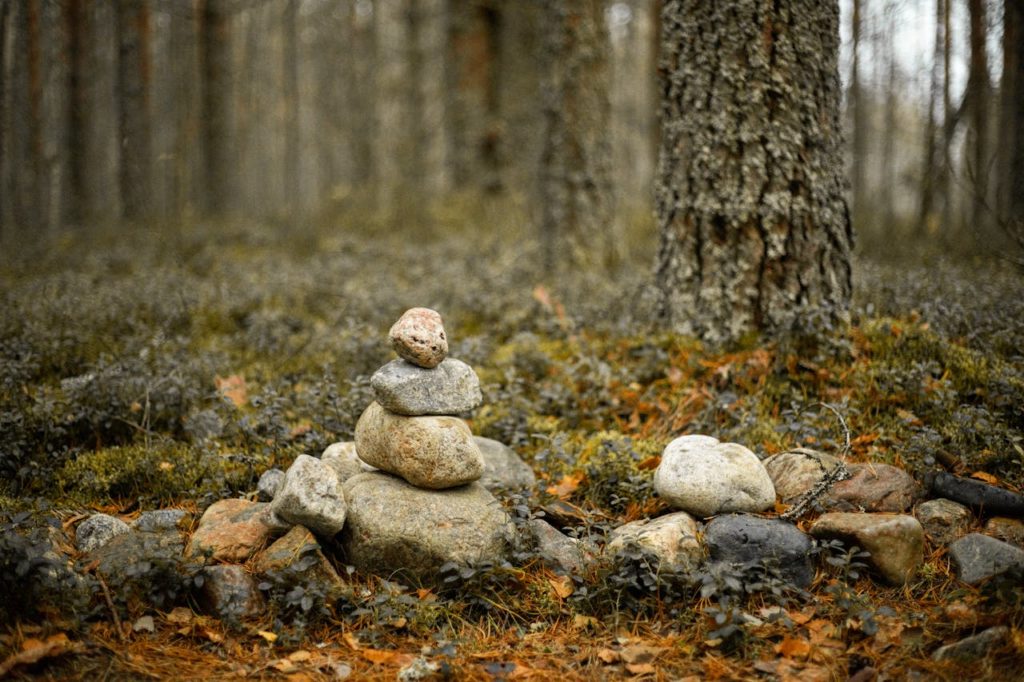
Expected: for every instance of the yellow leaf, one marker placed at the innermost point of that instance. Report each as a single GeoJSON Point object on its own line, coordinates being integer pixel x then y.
{"type": "Point", "coordinates": [300, 656]}
{"type": "Point", "coordinates": [567, 486]}
{"type": "Point", "coordinates": [269, 636]}
{"type": "Point", "coordinates": [792, 647]}
{"type": "Point", "coordinates": [641, 668]}
{"type": "Point", "coordinates": [562, 585]}
{"type": "Point", "coordinates": [987, 477]}
{"type": "Point", "coordinates": [608, 656]}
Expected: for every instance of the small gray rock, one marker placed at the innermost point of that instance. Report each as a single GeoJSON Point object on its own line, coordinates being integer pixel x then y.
{"type": "Point", "coordinates": [671, 539]}
{"type": "Point", "coordinates": [559, 552]}
{"type": "Point", "coordinates": [1007, 530]}
{"type": "Point", "coordinates": [796, 471]}
{"type": "Point", "coordinates": [311, 496]}
{"type": "Point", "coordinates": [943, 520]}
{"type": "Point", "coordinates": [978, 557]}
{"type": "Point", "coordinates": [394, 527]}
{"type": "Point", "coordinates": [230, 592]}
{"type": "Point", "coordinates": [159, 520]}
{"type": "Point", "coordinates": [270, 482]}
{"type": "Point", "coordinates": [429, 452]}
{"type": "Point", "coordinates": [343, 459]}
{"type": "Point", "coordinates": [419, 337]}
{"type": "Point", "coordinates": [503, 468]}
{"type": "Point", "coordinates": [704, 477]}
{"type": "Point", "coordinates": [404, 388]}
{"type": "Point", "coordinates": [975, 646]}
{"type": "Point", "coordinates": [743, 539]}
{"type": "Point", "coordinates": [98, 530]}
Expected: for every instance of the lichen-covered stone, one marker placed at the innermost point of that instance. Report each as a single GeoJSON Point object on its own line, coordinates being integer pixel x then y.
{"type": "Point", "coordinates": [873, 488]}
{"type": "Point", "coordinates": [156, 520]}
{"type": "Point", "coordinates": [311, 496]}
{"type": "Point", "coordinates": [230, 530]}
{"type": "Point", "coordinates": [229, 591]}
{"type": "Point", "coordinates": [704, 477]}
{"type": "Point", "coordinates": [943, 520]}
{"type": "Point", "coordinates": [975, 646]}
{"type": "Point", "coordinates": [559, 552]}
{"type": "Point", "coordinates": [671, 539]}
{"type": "Point", "coordinates": [395, 527]}
{"type": "Point", "coordinates": [796, 471]}
{"type": "Point", "coordinates": [1007, 530]}
{"type": "Point", "coordinates": [270, 482]}
{"type": "Point", "coordinates": [299, 551]}
{"type": "Point", "coordinates": [429, 452]}
{"type": "Point", "coordinates": [419, 337]}
{"type": "Point", "coordinates": [894, 541]}
{"type": "Point", "coordinates": [98, 530]}
{"type": "Point", "coordinates": [404, 388]}
{"type": "Point", "coordinates": [342, 457]}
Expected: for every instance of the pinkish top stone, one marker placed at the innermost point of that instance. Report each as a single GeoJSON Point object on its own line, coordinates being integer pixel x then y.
{"type": "Point", "coordinates": [419, 337]}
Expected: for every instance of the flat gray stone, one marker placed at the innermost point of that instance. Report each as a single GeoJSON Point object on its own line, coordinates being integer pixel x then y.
{"type": "Point", "coordinates": [704, 477]}
{"type": "Point", "coordinates": [503, 468]}
{"type": "Point", "coordinates": [975, 646]}
{"type": "Point", "coordinates": [745, 540]}
{"type": "Point", "coordinates": [342, 457]}
{"type": "Point", "coordinates": [671, 539]}
{"type": "Point", "coordinates": [159, 520]}
{"type": "Point", "coordinates": [394, 527]}
{"type": "Point", "coordinates": [404, 388]}
{"type": "Point", "coordinates": [429, 452]}
{"type": "Point", "coordinates": [98, 530]}
{"type": "Point", "coordinates": [270, 482]}
{"type": "Point", "coordinates": [977, 557]}
{"type": "Point", "coordinates": [944, 520]}
{"type": "Point", "coordinates": [311, 496]}
{"type": "Point", "coordinates": [559, 552]}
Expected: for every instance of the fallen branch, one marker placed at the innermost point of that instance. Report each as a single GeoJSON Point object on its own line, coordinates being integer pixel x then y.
{"type": "Point", "coordinates": [839, 472]}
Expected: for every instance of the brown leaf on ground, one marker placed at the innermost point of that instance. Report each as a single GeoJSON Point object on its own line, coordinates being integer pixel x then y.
{"type": "Point", "coordinates": [567, 486]}
{"type": "Point", "coordinates": [793, 647]}
{"type": "Point", "coordinates": [35, 650]}
{"type": "Point", "coordinates": [562, 586]}
{"type": "Point", "coordinates": [608, 656]}
{"type": "Point", "coordinates": [641, 653]}
{"type": "Point", "coordinates": [233, 388]}
{"type": "Point", "coordinates": [985, 476]}
{"type": "Point", "coordinates": [641, 668]}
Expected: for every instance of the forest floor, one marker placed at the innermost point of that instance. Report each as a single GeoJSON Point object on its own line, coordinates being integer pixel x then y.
{"type": "Point", "coordinates": [171, 368]}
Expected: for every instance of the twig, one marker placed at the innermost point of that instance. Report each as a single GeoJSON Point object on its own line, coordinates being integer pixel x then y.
{"type": "Point", "coordinates": [110, 604]}
{"type": "Point", "coordinates": [838, 473]}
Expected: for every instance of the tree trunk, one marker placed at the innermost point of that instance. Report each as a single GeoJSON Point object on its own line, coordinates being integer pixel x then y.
{"type": "Point", "coordinates": [979, 91]}
{"type": "Point", "coordinates": [948, 124]}
{"type": "Point", "coordinates": [428, 31]}
{"type": "Point", "coordinates": [929, 161]}
{"type": "Point", "coordinates": [858, 109]}
{"type": "Point", "coordinates": [391, 151]}
{"type": "Point", "coordinates": [292, 182]}
{"type": "Point", "coordinates": [575, 177]}
{"type": "Point", "coordinates": [5, 152]}
{"type": "Point", "coordinates": [133, 101]}
{"type": "Point", "coordinates": [755, 230]}
{"type": "Point", "coordinates": [76, 30]}
{"type": "Point", "coordinates": [888, 158]}
{"type": "Point", "coordinates": [1012, 120]}
{"type": "Point", "coordinates": [215, 58]}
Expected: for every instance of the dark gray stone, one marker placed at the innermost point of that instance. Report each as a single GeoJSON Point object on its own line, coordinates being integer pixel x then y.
{"type": "Point", "coordinates": [230, 592]}
{"type": "Point", "coordinates": [270, 482]}
{"type": "Point", "coordinates": [559, 552]}
{"type": "Point", "coordinates": [158, 520]}
{"type": "Point", "coordinates": [988, 499]}
{"type": "Point", "coordinates": [448, 389]}
{"type": "Point", "coordinates": [311, 496]}
{"type": "Point", "coordinates": [742, 539]}
{"type": "Point", "coordinates": [975, 646]}
{"type": "Point", "coordinates": [978, 557]}
{"type": "Point", "coordinates": [98, 530]}
{"type": "Point", "coordinates": [503, 468]}
{"type": "Point", "coordinates": [944, 520]}
{"type": "Point", "coordinates": [135, 562]}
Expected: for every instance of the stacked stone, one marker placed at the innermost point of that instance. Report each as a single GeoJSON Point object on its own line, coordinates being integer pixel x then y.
{"type": "Point", "coordinates": [413, 430]}
{"type": "Point", "coordinates": [425, 507]}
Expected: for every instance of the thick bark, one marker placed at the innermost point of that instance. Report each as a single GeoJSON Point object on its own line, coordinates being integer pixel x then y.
{"type": "Point", "coordinates": [575, 176]}
{"type": "Point", "coordinates": [978, 94]}
{"type": "Point", "coordinates": [858, 108]}
{"type": "Point", "coordinates": [1012, 119]}
{"type": "Point", "coordinates": [755, 230]}
{"type": "Point", "coordinates": [215, 59]}
{"type": "Point", "coordinates": [133, 83]}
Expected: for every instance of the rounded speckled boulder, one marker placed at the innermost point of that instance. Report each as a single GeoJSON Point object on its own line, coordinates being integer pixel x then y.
{"type": "Point", "coordinates": [419, 337]}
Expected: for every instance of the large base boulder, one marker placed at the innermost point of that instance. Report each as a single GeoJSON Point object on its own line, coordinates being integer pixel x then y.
{"type": "Point", "coordinates": [396, 528]}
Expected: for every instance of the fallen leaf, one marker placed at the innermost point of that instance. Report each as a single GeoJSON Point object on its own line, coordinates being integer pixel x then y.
{"type": "Point", "coordinates": [233, 388]}
{"type": "Point", "coordinates": [608, 656]}
{"type": "Point", "coordinates": [34, 650]}
{"type": "Point", "coordinates": [581, 622]}
{"type": "Point", "coordinates": [793, 647]}
{"type": "Point", "coordinates": [300, 656]}
{"type": "Point", "coordinates": [567, 486]}
{"type": "Point", "coordinates": [562, 586]}
{"type": "Point", "coordinates": [381, 657]}
{"type": "Point", "coordinates": [180, 615]}
{"type": "Point", "coordinates": [641, 653]}
{"type": "Point", "coordinates": [650, 463]}
{"type": "Point", "coordinates": [269, 636]}
{"type": "Point", "coordinates": [641, 668]}
{"type": "Point", "coordinates": [352, 641]}
{"type": "Point", "coordinates": [284, 665]}
{"type": "Point", "coordinates": [426, 594]}
{"type": "Point", "coordinates": [984, 476]}
{"type": "Point", "coordinates": [214, 636]}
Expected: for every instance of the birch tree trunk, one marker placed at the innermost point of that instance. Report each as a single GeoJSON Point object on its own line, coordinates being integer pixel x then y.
{"type": "Point", "coordinates": [575, 176]}
{"type": "Point", "coordinates": [755, 230]}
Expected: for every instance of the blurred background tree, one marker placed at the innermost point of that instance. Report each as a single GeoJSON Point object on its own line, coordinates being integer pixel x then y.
{"type": "Point", "coordinates": [169, 111]}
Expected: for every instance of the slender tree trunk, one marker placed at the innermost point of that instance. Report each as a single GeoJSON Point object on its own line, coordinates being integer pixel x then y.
{"type": "Point", "coordinates": [391, 151]}
{"type": "Point", "coordinates": [575, 177]}
{"type": "Point", "coordinates": [929, 161]}
{"type": "Point", "coordinates": [888, 157]}
{"type": "Point", "coordinates": [215, 58]}
{"type": "Point", "coordinates": [133, 102]}
{"type": "Point", "coordinates": [858, 108]}
{"type": "Point", "coordinates": [5, 144]}
{"type": "Point", "coordinates": [428, 29]}
{"type": "Point", "coordinates": [948, 124]}
{"type": "Point", "coordinates": [755, 230]}
{"type": "Point", "coordinates": [292, 130]}
{"type": "Point", "coordinates": [76, 31]}
{"type": "Point", "coordinates": [1012, 119]}
{"type": "Point", "coordinates": [979, 92]}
